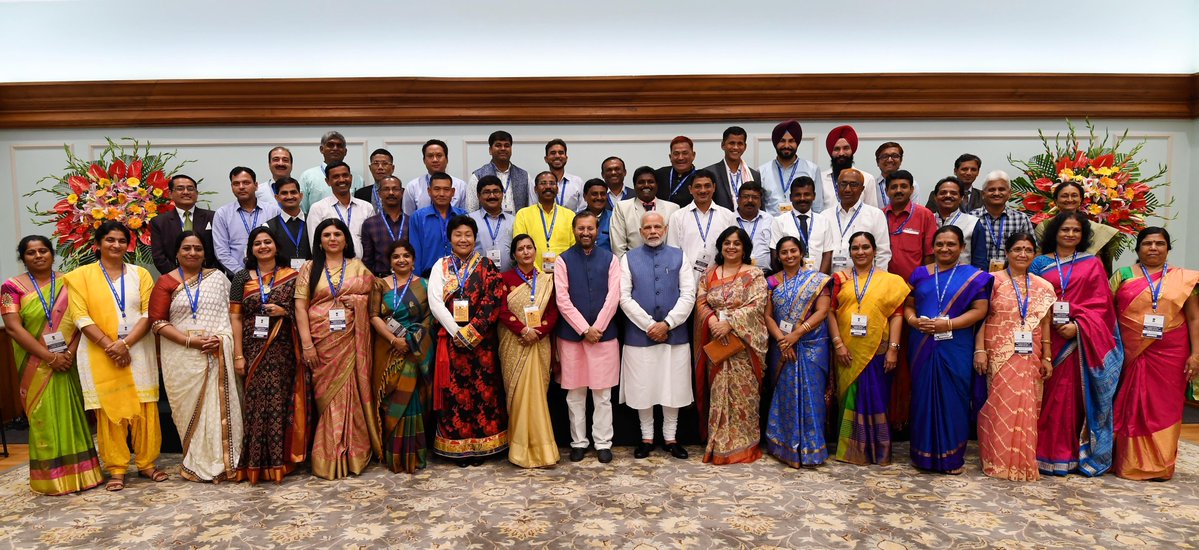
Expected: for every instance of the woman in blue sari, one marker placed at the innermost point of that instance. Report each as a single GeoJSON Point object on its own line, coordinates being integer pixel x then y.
{"type": "Point", "coordinates": [947, 301]}
{"type": "Point", "coordinates": [800, 303]}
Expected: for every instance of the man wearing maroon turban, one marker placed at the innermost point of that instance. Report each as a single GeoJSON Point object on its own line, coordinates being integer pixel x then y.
{"type": "Point", "coordinates": [779, 172]}
{"type": "Point", "coordinates": [842, 143]}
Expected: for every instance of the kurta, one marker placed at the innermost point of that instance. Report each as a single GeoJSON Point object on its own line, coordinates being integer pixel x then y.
{"type": "Point", "coordinates": [551, 232]}
{"type": "Point", "coordinates": [585, 364]}
{"type": "Point", "coordinates": [656, 373]}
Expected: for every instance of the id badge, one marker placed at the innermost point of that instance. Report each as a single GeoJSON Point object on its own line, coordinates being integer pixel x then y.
{"type": "Point", "coordinates": [55, 342]}
{"type": "Point", "coordinates": [1023, 342]}
{"type": "Point", "coordinates": [124, 328]}
{"type": "Point", "coordinates": [809, 264]}
{"type": "Point", "coordinates": [396, 328]}
{"type": "Point", "coordinates": [702, 263]}
{"type": "Point", "coordinates": [297, 264]}
{"type": "Point", "coordinates": [1155, 326]}
{"type": "Point", "coordinates": [547, 262]}
{"type": "Point", "coordinates": [494, 255]}
{"type": "Point", "coordinates": [996, 266]}
{"type": "Point", "coordinates": [262, 326]}
{"type": "Point", "coordinates": [1061, 313]}
{"type": "Point", "coordinates": [784, 208]}
{"type": "Point", "coordinates": [857, 325]}
{"type": "Point", "coordinates": [337, 320]}
{"type": "Point", "coordinates": [947, 335]}
{"type": "Point", "coordinates": [722, 316]}
{"type": "Point", "coordinates": [786, 327]}
{"type": "Point", "coordinates": [532, 316]}
{"type": "Point", "coordinates": [840, 262]}
{"type": "Point", "coordinates": [461, 311]}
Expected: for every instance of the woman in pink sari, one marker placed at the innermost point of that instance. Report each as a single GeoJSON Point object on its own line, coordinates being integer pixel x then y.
{"type": "Point", "coordinates": [333, 317]}
{"type": "Point", "coordinates": [1159, 323]}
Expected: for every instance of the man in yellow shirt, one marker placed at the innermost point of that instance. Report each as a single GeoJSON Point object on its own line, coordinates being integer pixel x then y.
{"type": "Point", "coordinates": [548, 223]}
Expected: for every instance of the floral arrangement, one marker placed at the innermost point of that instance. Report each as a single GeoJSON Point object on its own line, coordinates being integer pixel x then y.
{"type": "Point", "coordinates": [126, 184]}
{"type": "Point", "coordinates": [1115, 193]}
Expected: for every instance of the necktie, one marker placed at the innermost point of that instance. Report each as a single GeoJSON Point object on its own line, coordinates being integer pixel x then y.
{"type": "Point", "coordinates": [649, 206]}
{"type": "Point", "coordinates": [803, 225]}
{"type": "Point", "coordinates": [187, 221]}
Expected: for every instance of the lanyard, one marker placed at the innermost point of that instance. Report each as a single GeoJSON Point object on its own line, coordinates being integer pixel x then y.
{"type": "Point", "coordinates": [753, 230]}
{"type": "Point", "coordinates": [862, 293]}
{"type": "Point", "coordinates": [335, 290]}
{"type": "Point", "coordinates": [899, 229]}
{"type": "Point", "coordinates": [562, 192]}
{"type": "Point", "coordinates": [791, 291]}
{"type": "Point", "coordinates": [499, 222]}
{"type": "Point", "coordinates": [856, 211]}
{"type": "Point", "coordinates": [375, 199]}
{"type": "Point", "coordinates": [550, 230]}
{"type": "Point", "coordinates": [46, 305]}
{"type": "Point", "coordinates": [735, 179]}
{"type": "Point", "coordinates": [795, 219]}
{"type": "Point", "coordinates": [950, 222]}
{"type": "Point", "coordinates": [882, 192]}
{"type": "Point", "coordinates": [941, 307]}
{"type": "Point", "coordinates": [1027, 295]}
{"type": "Point", "coordinates": [703, 233]}
{"type": "Point", "coordinates": [264, 290]}
{"type": "Point", "coordinates": [495, 171]}
{"type": "Point", "coordinates": [193, 302]}
{"type": "Point", "coordinates": [1065, 279]}
{"type": "Point", "coordinates": [387, 225]}
{"type": "Point", "coordinates": [532, 282]}
{"type": "Point", "coordinates": [295, 239]}
{"type": "Point", "coordinates": [349, 213]}
{"type": "Point", "coordinates": [445, 225]}
{"type": "Point", "coordinates": [1155, 293]}
{"type": "Point", "coordinates": [786, 183]}
{"type": "Point", "coordinates": [395, 281]}
{"type": "Point", "coordinates": [253, 219]}
{"type": "Point", "coordinates": [121, 298]}
{"type": "Point", "coordinates": [681, 181]}
{"type": "Point", "coordinates": [462, 273]}
{"type": "Point", "coordinates": [996, 238]}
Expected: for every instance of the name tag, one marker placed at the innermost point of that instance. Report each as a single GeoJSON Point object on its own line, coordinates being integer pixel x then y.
{"type": "Point", "coordinates": [702, 263]}
{"type": "Point", "coordinates": [494, 255]}
{"type": "Point", "coordinates": [1061, 313]}
{"type": "Point", "coordinates": [996, 266]}
{"type": "Point", "coordinates": [262, 325]}
{"type": "Point", "coordinates": [784, 208]}
{"type": "Point", "coordinates": [947, 335]}
{"type": "Point", "coordinates": [547, 262]}
{"type": "Point", "coordinates": [297, 264]}
{"type": "Point", "coordinates": [1023, 342]}
{"type": "Point", "coordinates": [1155, 326]}
{"type": "Point", "coordinates": [124, 328]}
{"type": "Point", "coordinates": [55, 342]}
{"type": "Point", "coordinates": [396, 328]}
{"type": "Point", "coordinates": [337, 319]}
{"type": "Point", "coordinates": [857, 325]}
{"type": "Point", "coordinates": [786, 327]}
{"type": "Point", "coordinates": [461, 311]}
{"type": "Point", "coordinates": [910, 231]}
{"type": "Point", "coordinates": [532, 316]}
{"type": "Point", "coordinates": [840, 262]}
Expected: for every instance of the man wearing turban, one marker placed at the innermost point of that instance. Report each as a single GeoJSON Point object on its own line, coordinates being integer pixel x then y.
{"type": "Point", "coordinates": [781, 171]}
{"type": "Point", "coordinates": [842, 143]}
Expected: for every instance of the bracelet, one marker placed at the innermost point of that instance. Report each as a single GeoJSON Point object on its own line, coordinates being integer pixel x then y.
{"type": "Point", "coordinates": [912, 320]}
{"type": "Point", "coordinates": [308, 347]}
{"type": "Point", "coordinates": [188, 344]}
{"type": "Point", "coordinates": [978, 351]}
{"type": "Point", "coordinates": [837, 340]}
{"type": "Point", "coordinates": [894, 345]}
{"type": "Point", "coordinates": [806, 327]}
{"type": "Point", "coordinates": [1046, 341]}
{"type": "Point", "coordinates": [950, 321]}
{"type": "Point", "coordinates": [239, 357]}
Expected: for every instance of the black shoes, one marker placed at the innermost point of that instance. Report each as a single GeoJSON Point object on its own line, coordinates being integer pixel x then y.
{"type": "Point", "coordinates": [605, 456]}
{"type": "Point", "coordinates": [676, 450]}
{"type": "Point", "coordinates": [577, 454]}
{"type": "Point", "coordinates": [643, 449]}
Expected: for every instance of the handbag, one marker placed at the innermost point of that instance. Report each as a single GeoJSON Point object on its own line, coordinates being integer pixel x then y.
{"type": "Point", "coordinates": [718, 352]}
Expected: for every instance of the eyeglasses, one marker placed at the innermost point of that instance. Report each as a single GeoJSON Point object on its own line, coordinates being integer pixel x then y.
{"type": "Point", "coordinates": [890, 156]}
{"type": "Point", "coordinates": [380, 164]}
{"type": "Point", "coordinates": [850, 184]}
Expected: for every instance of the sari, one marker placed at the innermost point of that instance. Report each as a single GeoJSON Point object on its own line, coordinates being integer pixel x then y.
{"type": "Point", "coordinates": [1149, 404]}
{"type": "Point", "coordinates": [62, 457]}
{"type": "Point", "coordinates": [728, 393]}
{"type": "Point", "coordinates": [943, 370]}
{"type": "Point", "coordinates": [526, 371]}
{"type": "Point", "coordinates": [1007, 424]}
{"type": "Point", "coordinates": [1074, 431]}
{"type": "Point", "coordinates": [347, 423]}
{"type": "Point", "coordinates": [276, 409]}
{"type": "Point", "coordinates": [468, 384]}
{"type": "Point", "coordinates": [401, 382]}
{"type": "Point", "coordinates": [863, 388]}
{"type": "Point", "coordinates": [202, 387]}
{"type": "Point", "coordinates": [795, 421]}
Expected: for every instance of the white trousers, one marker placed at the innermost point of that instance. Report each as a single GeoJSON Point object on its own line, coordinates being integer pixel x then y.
{"type": "Point", "coordinates": [601, 419]}
{"type": "Point", "coordinates": [670, 422]}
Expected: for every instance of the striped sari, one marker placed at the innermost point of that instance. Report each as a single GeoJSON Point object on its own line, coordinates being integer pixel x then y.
{"type": "Point", "coordinates": [402, 382]}
{"type": "Point", "coordinates": [795, 422]}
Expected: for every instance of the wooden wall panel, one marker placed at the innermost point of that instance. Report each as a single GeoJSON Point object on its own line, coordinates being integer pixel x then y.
{"type": "Point", "coordinates": [595, 99]}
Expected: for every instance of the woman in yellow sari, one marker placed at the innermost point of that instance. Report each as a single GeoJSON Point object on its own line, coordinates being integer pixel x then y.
{"type": "Point", "coordinates": [332, 313]}
{"type": "Point", "coordinates": [866, 332]}
{"type": "Point", "coordinates": [62, 458]}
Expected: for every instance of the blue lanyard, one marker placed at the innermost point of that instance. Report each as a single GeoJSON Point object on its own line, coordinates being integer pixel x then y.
{"type": "Point", "coordinates": [375, 198]}
{"type": "Point", "coordinates": [495, 170]}
{"type": "Point", "coordinates": [681, 181]}
{"type": "Point", "coordinates": [264, 290]}
{"type": "Point", "coordinates": [1065, 279]}
{"type": "Point", "coordinates": [121, 298]}
{"type": "Point", "coordinates": [461, 272]}
{"type": "Point", "coordinates": [395, 281]}
{"type": "Point", "coordinates": [335, 290]}
{"type": "Point", "coordinates": [548, 231]}
{"type": "Point", "coordinates": [253, 219]}
{"type": "Point", "coordinates": [856, 211]}
{"type": "Point", "coordinates": [861, 294]}
{"type": "Point", "coordinates": [795, 218]}
{"type": "Point", "coordinates": [349, 213]}
{"type": "Point", "coordinates": [193, 302]}
{"type": "Point", "coordinates": [387, 225]}
{"type": "Point", "coordinates": [46, 305]}
{"type": "Point", "coordinates": [295, 239]}
{"type": "Point", "coordinates": [951, 222]}
{"type": "Point", "coordinates": [562, 192]}
{"type": "Point", "coordinates": [911, 211]}
{"type": "Point", "coordinates": [703, 233]}
{"type": "Point", "coordinates": [996, 238]}
{"type": "Point", "coordinates": [532, 282]}
{"type": "Point", "coordinates": [754, 230]}
{"type": "Point", "coordinates": [882, 192]}
{"type": "Point", "coordinates": [941, 291]}
{"type": "Point", "coordinates": [786, 183]}
{"type": "Point", "coordinates": [735, 179]}
{"type": "Point", "coordinates": [1027, 295]}
{"type": "Point", "coordinates": [499, 222]}
{"type": "Point", "coordinates": [445, 227]}
{"type": "Point", "coordinates": [791, 291]}
{"type": "Point", "coordinates": [1155, 293]}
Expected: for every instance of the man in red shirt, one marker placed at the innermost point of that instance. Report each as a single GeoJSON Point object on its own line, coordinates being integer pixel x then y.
{"type": "Point", "coordinates": [911, 225]}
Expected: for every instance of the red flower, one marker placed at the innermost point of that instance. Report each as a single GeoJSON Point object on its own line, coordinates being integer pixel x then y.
{"type": "Point", "coordinates": [1081, 161]}
{"type": "Point", "coordinates": [135, 169]}
{"type": "Point", "coordinates": [1044, 184]}
{"type": "Point", "coordinates": [96, 173]}
{"type": "Point", "coordinates": [1103, 161]}
{"type": "Point", "coordinates": [116, 170]}
{"type": "Point", "coordinates": [78, 184]}
{"type": "Point", "coordinates": [1138, 204]}
{"type": "Point", "coordinates": [1034, 203]}
{"type": "Point", "coordinates": [62, 207]}
{"type": "Point", "coordinates": [1038, 218]}
{"type": "Point", "coordinates": [157, 180]}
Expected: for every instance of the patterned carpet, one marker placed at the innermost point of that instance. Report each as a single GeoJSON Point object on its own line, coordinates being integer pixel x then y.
{"type": "Point", "coordinates": [644, 504]}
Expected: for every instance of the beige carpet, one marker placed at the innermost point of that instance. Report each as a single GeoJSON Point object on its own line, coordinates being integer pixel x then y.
{"type": "Point", "coordinates": [654, 503]}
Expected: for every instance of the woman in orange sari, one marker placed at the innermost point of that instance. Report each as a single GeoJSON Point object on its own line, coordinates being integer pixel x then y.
{"type": "Point", "coordinates": [1159, 324]}
{"type": "Point", "coordinates": [332, 312]}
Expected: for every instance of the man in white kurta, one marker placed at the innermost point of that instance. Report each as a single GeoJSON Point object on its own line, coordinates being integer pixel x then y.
{"type": "Point", "coordinates": [852, 215]}
{"type": "Point", "coordinates": [656, 361]}
{"type": "Point", "coordinates": [695, 227]}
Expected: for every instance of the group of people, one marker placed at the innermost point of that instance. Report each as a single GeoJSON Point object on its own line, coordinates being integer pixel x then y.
{"type": "Point", "coordinates": [346, 323]}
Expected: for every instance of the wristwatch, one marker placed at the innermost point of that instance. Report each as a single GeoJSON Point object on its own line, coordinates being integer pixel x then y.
{"type": "Point", "coordinates": [894, 345]}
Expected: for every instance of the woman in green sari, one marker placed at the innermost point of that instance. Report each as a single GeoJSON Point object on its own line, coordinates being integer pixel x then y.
{"type": "Point", "coordinates": [62, 457]}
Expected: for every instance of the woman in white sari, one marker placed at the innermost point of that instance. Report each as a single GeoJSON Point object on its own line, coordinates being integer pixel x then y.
{"type": "Point", "coordinates": [190, 311]}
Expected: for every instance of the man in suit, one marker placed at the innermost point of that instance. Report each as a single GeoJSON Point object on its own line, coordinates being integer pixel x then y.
{"type": "Point", "coordinates": [625, 230]}
{"type": "Point", "coordinates": [673, 178]}
{"type": "Point", "coordinates": [731, 172]}
{"type": "Point", "coordinates": [166, 227]}
{"type": "Point", "coordinates": [965, 168]}
{"type": "Point", "coordinates": [382, 165]}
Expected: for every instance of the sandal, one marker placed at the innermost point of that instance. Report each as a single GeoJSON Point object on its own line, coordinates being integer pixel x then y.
{"type": "Point", "coordinates": [115, 483]}
{"type": "Point", "coordinates": [155, 475]}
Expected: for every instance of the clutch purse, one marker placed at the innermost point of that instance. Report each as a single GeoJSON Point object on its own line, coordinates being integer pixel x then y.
{"type": "Point", "coordinates": [718, 352]}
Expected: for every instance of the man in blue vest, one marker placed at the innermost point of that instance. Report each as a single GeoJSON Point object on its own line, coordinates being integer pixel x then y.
{"type": "Point", "coordinates": [515, 181]}
{"type": "Point", "coordinates": [656, 363]}
{"type": "Point", "coordinates": [587, 284]}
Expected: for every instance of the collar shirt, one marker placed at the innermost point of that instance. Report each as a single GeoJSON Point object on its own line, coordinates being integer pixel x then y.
{"type": "Point", "coordinates": [427, 233]}
{"type": "Point", "coordinates": [231, 228]}
{"type": "Point", "coordinates": [911, 233]}
{"type": "Point", "coordinates": [999, 229]}
{"type": "Point", "coordinates": [861, 217]}
{"type": "Point", "coordinates": [760, 234]}
{"type": "Point", "coordinates": [353, 216]}
{"type": "Point", "coordinates": [416, 194]}
{"type": "Point", "coordinates": [821, 236]}
{"type": "Point", "coordinates": [495, 237]}
{"type": "Point", "coordinates": [314, 187]}
{"type": "Point", "coordinates": [696, 233]}
{"type": "Point", "coordinates": [831, 198]}
{"type": "Point", "coordinates": [776, 181]}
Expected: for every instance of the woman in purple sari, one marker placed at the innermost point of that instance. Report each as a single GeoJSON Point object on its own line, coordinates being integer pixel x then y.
{"type": "Point", "coordinates": [946, 303]}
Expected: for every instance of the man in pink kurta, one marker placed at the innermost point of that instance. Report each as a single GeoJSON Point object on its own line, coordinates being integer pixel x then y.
{"type": "Point", "coordinates": [587, 283]}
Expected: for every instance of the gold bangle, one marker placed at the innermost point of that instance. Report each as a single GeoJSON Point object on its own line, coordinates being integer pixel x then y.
{"type": "Point", "coordinates": [186, 344]}
{"type": "Point", "coordinates": [978, 351]}
{"type": "Point", "coordinates": [239, 357]}
{"type": "Point", "coordinates": [950, 321]}
{"type": "Point", "coordinates": [308, 347]}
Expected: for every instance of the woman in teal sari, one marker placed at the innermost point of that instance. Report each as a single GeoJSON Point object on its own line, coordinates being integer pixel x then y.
{"type": "Point", "coordinates": [800, 303]}
{"type": "Point", "coordinates": [947, 300]}
{"type": "Point", "coordinates": [62, 457]}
